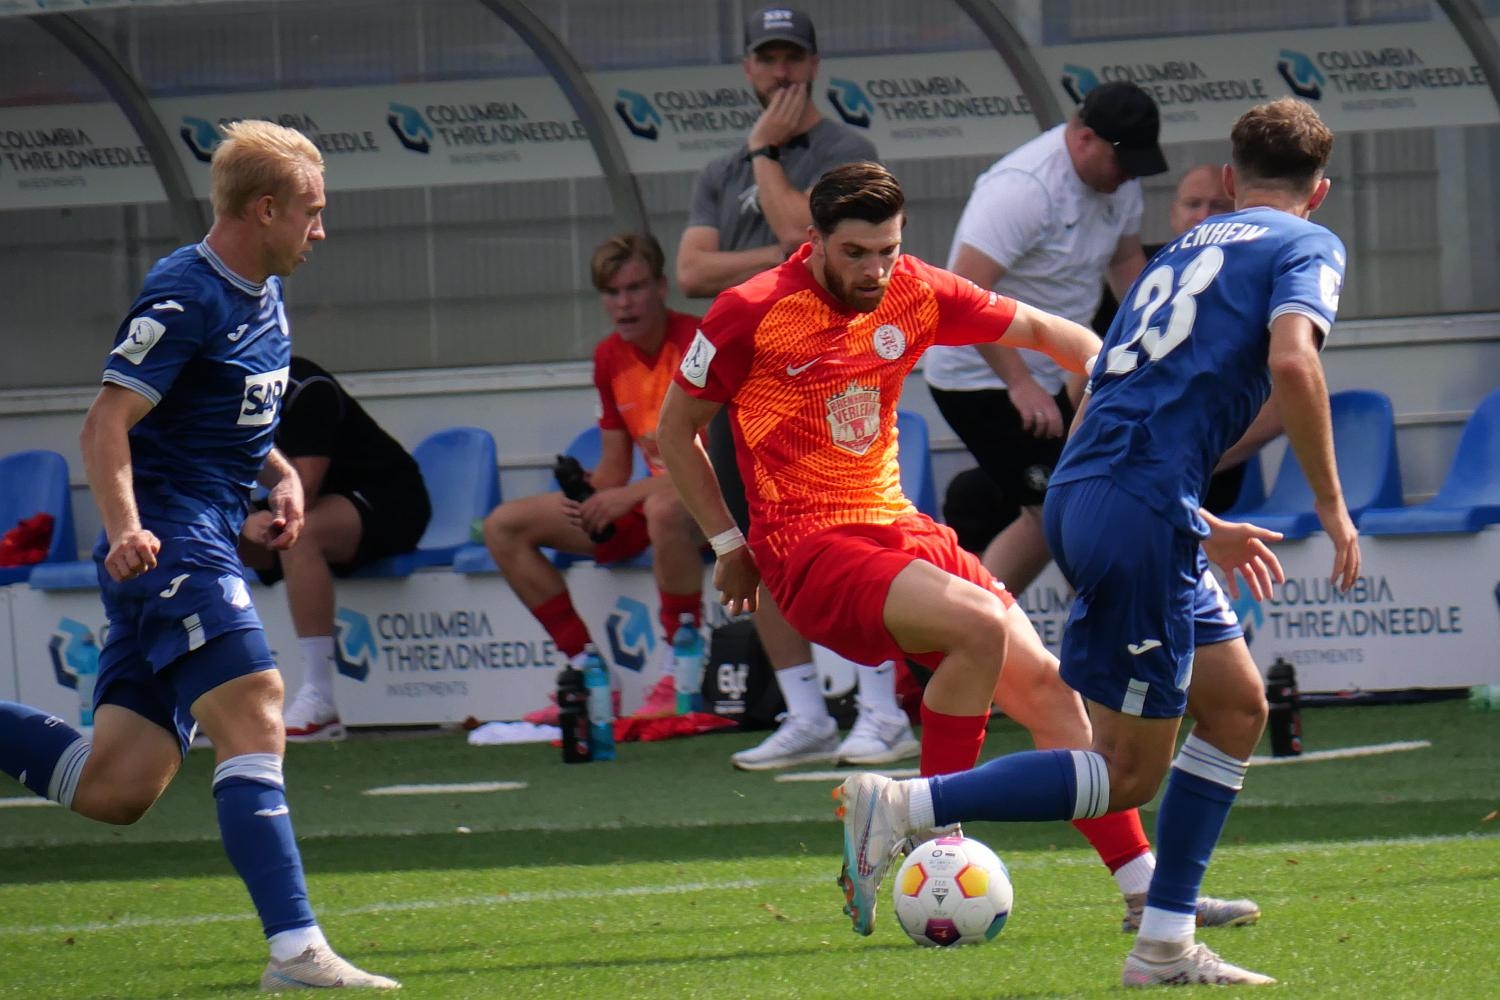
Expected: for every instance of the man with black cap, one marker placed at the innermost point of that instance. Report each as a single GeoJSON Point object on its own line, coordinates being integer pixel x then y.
{"type": "Point", "coordinates": [1048, 224]}
{"type": "Point", "coordinates": [749, 212]}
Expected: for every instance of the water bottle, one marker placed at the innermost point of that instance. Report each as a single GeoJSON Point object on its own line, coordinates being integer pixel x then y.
{"type": "Point", "coordinates": [1285, 723]}
{"type": "Point", "coordinates": [86, 665]}
{"type": "Point", "coordinates": [573, 716]}
{"type": "Point", "coordinates": [576, 487]}
{"type": "Point", "coordinates": [687, 665]}
{"type": "Point", "coordinates": [601, 707]}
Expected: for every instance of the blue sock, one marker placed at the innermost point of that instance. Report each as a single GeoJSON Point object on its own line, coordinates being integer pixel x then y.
{"type": "Point", "coordinates": [41, 751]}
{"type": "Point", "coordinates": [1028, 786]}
{"type": "Point", "coordinates": [1203, 785]}
{"type": "Point", "coordinates": [257, 830]}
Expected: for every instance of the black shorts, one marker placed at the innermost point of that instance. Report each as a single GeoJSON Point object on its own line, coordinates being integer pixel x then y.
{"type": "Point", "coordinates": [392, 518]}
{"type": "Point", "coordinates": [989, 426]}
{"type": "Point", "coordinates": [727, 469]}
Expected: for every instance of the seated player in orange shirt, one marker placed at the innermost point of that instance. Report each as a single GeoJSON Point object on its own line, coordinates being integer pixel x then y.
{"type": "Point", "coordinates": [810, 359]}
{"type": "Point", "coordinates": [632, 368]}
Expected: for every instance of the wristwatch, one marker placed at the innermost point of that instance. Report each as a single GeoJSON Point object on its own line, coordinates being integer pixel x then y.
{"type": "Point", "coordinates": [769, 152]}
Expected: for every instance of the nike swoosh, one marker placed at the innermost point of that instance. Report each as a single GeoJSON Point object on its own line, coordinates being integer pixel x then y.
{"type": "Point", "coordinates": [171, 590]}
{"type": "Point", "coordinates": [1137, 648]}
{"type": "Point", "coordinates": [794, 371]}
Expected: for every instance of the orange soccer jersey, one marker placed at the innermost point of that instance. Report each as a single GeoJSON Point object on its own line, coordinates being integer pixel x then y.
{"type": "Point", "coordinates": [812, 388]}
{"type": "Point", "coordinates": [632, 384]}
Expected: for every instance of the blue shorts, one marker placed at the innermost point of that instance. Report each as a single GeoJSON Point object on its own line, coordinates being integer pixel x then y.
{"type": "Point", "coordinates": [180, 630]}
{"type": "Point", "coordinates": [1145, 599]}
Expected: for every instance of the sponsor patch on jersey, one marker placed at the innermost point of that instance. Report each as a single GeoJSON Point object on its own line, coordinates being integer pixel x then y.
{"type": "Point", "coordinates": [1329, 285]}
{"type": "Point", "coordinates": [890, 342]}
{"type": "Point", "coordinates": [262, 399]}
{"type": "Point", "coordinates": [854, 417]}
{"type": "Point", "coordinates": [144, 334]}
{"type": "Point", "coordinates": [700, 354]}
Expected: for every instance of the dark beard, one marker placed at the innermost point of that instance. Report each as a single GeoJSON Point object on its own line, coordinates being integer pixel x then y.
{"type": "Point", "coordinates": [765, 98]}
{"type": "Point", "coordinates": [841, 291]}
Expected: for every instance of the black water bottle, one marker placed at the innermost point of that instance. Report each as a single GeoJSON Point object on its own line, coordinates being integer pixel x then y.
{"type": "Point", "coordinates": [575, 486]}
{"type": "Point", "coordinates": [1285, 721]}
{"type": "Point", "coordinates": [573, 716]}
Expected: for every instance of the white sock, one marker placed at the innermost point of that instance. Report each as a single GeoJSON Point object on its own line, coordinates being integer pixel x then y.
{"type": "Point", "coordinates": [1134, 876]}
{"type": "Point", "coordinates": [877, 688]}
{"type": "Point", "coordinates": [1164, 925]}
{"type": "Point", "coordinates": [317, 663]}
{"type": "Point", "coordinates": [802, 690]}
{"type": "Point", "coordinates": [288, 945]}
{"type": "Point", "coordinates": [919, 805]}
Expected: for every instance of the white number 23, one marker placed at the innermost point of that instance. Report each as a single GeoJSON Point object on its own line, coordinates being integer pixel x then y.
{"type": "Point", "coordinates": [1153, 292]}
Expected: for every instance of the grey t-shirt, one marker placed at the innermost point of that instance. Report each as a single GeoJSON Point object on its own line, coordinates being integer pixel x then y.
{"type": "Point", "coordinates": [725, 196]}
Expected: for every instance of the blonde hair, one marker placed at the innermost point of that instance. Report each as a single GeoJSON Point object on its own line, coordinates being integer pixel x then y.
{"type": "Point", "coordinates": [258, 158]}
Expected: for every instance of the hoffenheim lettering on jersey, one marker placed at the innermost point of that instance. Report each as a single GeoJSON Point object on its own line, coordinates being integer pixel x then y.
{"type": "Point", "coordinates": [1188, 350]}
{"type": "Point", "coordinates": [222, 347]}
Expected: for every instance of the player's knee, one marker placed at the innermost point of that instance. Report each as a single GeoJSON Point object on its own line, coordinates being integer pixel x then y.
{"type": "Point", "coordinates": [1131, 786]}
{"type": "Point", "coordinates": [502, 528]}
{"type": "Point", "coordinates": [115, 801]}
{"type": "Point", "coordinates": [666, 516]}
{"type": "Point", "coordinates": [980, 624]}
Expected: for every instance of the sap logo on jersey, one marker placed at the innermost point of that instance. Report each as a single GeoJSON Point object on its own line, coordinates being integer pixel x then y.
{"type": "Point", "coordinates": [262, 397]}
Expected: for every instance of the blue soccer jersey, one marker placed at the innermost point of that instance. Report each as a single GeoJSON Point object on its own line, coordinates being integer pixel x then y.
{"type": "Point", "coordinates": [211, 351]}
{"type": "Point", "coordinates": [1183, 369]}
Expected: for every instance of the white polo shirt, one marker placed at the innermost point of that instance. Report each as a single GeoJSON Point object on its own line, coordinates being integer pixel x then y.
{"type": "Point", "coordinates": [1054, 235]}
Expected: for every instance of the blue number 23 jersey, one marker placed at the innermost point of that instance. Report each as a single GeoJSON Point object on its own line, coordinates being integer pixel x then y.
{"type": "Point", "coordinates": [1183, 369]}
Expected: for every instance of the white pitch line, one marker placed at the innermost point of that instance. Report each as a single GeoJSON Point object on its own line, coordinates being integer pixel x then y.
{"type": "Point", "coordinates": [1344, 753]}
{"type": "Point", "coordinates": [26, 803]}
{"type": "Point", "coordinates": [1041, 860]}
{"type": "Point", "coordinates": [899, 772]}
{"type": "Point", "coordinates": [458, 788]}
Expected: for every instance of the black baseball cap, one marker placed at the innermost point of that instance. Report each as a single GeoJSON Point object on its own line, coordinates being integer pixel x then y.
{"type": "Point", "coordinates": [1123, 114]}
{"type": "Point", "coordinates": [780, 24]}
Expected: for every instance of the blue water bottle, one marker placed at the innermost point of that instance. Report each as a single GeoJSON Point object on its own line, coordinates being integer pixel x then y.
{"type": "Point", "coordinates": [86, 665]}
{"type": "Point", "coordinates": [601, 705]}
{"type": "Point", "coordinates": [687, 665]}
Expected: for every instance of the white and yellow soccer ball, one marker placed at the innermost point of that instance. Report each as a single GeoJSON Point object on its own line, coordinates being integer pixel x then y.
{"type": "Point", "coordinates": [952, 890]}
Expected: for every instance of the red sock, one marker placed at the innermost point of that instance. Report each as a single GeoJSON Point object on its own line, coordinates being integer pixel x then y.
{"type": "Point", "coordinates": [674, 606]}
{"type": "Point", "coordinates": [562, 623]}
{"type": "Point", "coordinates": [950, 743]}
{"type": "Point", "coordinates": [1118, 837]}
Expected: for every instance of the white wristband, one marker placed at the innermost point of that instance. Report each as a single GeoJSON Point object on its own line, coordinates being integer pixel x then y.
{"type": "Point", "coordinates": [726, 542]}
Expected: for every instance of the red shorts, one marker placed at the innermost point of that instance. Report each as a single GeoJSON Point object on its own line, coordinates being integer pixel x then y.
{"type": "Point", "coordinates": [629, 540]}
{"type": "Point", "coordinates": [833, 586]}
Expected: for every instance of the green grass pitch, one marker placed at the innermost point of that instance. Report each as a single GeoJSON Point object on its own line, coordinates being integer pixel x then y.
{"type": "Point", "coordinates": [666, 874]}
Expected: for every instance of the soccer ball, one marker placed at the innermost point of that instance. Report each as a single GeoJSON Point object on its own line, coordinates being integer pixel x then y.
{"type": "Point", "coordinates": [952, 890]}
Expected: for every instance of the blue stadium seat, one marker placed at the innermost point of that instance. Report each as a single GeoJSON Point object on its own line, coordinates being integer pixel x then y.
{"type": "Point", "coordinates": [475, 558]}
{"type": "Point", "coordinates": [1364, 442]}
{"type": "Point", "coordinates": [914, 452]}
{"type": "Point", "coordinates": [463, 482]}
{"type": "Point", "coordinates": [1469, 498]}
{"type": "Point", "coordinates": [36, 482]}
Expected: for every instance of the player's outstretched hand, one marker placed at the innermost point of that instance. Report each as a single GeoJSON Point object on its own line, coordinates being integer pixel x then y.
{"type": "Point", "coordinates": [738, 580]}
{"type": "Point", "coordinates": [1239, 547]}
{"type": "Point", "coordinates": [132, 554]}
{"type": "Point", "coordinates": [1341, 532]}
{"type": "Point", "coordinates": [285, 502]}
